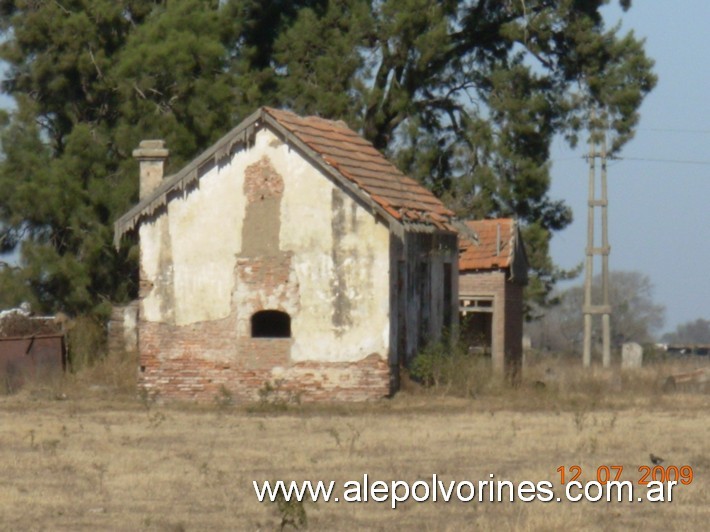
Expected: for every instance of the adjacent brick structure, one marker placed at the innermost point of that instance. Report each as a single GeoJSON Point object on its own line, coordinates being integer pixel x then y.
{"type": "Point", "coordinates": [493, 273]}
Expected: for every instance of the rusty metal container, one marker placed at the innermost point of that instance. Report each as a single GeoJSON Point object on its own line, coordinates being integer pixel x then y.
{"type": "Point", "coordinates": [29, 358]}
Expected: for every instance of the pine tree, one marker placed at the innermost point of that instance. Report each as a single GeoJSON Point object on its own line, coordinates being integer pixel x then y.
{"type": "Point", "coordinates": [467, 96]}
{"type": "Point", "coordinates": [90, 79]}
{"type": "Point", "coordinates": [464, 96]}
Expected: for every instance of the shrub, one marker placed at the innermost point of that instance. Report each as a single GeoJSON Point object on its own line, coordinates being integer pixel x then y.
{"type": "Point", "coordinates": [447, 366]}
{"type": "Point", "coordinates": [86, 341]}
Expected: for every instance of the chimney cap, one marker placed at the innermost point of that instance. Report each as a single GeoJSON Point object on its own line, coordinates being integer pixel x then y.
{"type": "Point", "coordinates": [151, 149]}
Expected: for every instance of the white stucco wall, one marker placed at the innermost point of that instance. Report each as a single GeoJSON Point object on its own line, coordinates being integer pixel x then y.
{"type": "Point", "coordinates": [154, 239]}
{"type": "Point", "coordinates": [206, 234]}
{"type": "Point", "coordinates": [203, 231]}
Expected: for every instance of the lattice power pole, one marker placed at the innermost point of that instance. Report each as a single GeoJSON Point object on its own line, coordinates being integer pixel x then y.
{"type": "Point", "coordinates": [597, 150]}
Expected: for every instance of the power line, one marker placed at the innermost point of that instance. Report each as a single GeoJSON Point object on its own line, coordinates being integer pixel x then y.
{"type": "Point", "coordinates": [674, 130]}
{"type": "Point", "coordinates": [653, 160]}
{"type": "Point", "coordinates": [618, 159]}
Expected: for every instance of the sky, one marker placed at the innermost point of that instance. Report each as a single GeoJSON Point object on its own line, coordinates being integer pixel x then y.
{"type": "Point", "coordinates": [659, 202]}
{"type": "Point", "coordinates": [659, 205]}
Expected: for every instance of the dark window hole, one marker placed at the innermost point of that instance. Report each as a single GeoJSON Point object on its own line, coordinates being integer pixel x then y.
{"type": "Point", "coordinates": [271, 324]}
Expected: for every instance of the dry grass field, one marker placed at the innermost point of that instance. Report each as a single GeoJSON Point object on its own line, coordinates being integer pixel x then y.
{"type": "Point", "coordinates": [81, 456]}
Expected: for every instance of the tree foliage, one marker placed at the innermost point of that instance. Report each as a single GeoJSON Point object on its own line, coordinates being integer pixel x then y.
{"type": "Point", "coordinates": [465, 96]}
{"type": "Point", "coordinates": [692, 332]}
{"type": "Point", "coordinates": [90, 79]}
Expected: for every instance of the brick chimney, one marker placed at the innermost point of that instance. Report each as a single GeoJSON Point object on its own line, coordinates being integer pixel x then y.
{"type": "Point", "coordinates": [151, 155]}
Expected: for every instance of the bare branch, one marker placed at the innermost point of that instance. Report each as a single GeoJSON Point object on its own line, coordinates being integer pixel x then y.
{"type": "Point", "coordinates": [140, 92]}
{"type": "Point", "coordinates": [93, 60]}
{"type": "Point", "coordinates": [60, 6]}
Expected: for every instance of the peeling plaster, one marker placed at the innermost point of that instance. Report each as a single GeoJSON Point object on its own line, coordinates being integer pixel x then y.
{"type": "Point", "coordinates": [314, 236]}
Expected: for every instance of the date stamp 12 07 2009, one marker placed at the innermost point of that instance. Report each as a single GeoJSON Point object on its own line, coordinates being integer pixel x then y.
{"type": "Point", "coordinates": [646, 474]}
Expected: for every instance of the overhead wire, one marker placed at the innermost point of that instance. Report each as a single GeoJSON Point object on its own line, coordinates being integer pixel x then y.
{"type": "Point", "coordinates": [654, 160]}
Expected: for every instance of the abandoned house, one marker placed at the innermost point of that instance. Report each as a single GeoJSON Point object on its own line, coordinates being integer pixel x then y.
{"type": "Point", "coordinates": [289, 256]}
{"type": "Point", "coordinates": [493, 271]}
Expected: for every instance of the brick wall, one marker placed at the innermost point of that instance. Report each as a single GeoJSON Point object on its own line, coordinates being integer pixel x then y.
{"type": "Point", "coordinates": [514, 310]}
{"type": "Point", "coordinates": [203, 359]}
{"type": "Point", "coordinates": [489, 284]}
{"type": "Point", "coordinates": [200, 361]}
{"type": "Point", "coordinates": [507, 326]}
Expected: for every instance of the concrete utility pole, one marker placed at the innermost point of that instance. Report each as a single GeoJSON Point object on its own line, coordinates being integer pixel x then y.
{"type": "Point", "coordinates": [590, 309]}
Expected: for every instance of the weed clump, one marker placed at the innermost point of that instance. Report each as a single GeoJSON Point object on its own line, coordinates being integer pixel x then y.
{"type": "Point", "coordinates": [292, 512]}
{"type": "Point", "coordinates": [224, 398]}
{"type": "Point", "coordinates": [446, 366]}
{"type": "Point", "coordinates": [274, 398]}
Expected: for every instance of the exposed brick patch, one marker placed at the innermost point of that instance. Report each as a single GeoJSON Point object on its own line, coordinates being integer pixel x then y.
{"type": "Point", "coordinates": [264, 353]}
{"type": "Point", "coordinates": [264, 274]}
{"type": "Point", "coordinates": [198, 365]}
{"type": "Point", "coordinates": [262, 182]}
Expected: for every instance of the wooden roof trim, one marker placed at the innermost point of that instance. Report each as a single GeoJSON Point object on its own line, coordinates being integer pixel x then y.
{"type": "Point", "coordinates": [279, 122]}
{"type": "Point", "coordinates": [242, 134]}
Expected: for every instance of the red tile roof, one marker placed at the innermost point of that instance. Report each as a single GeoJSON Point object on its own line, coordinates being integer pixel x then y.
{"type": "Point", "coordinates": [358, 161]}
{"type": "Point", "coordinates": [334, 147]}
{"type": "Point", "coordinates": [490, 252]}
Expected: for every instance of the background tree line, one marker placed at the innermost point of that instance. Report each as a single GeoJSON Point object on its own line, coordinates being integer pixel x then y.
{"type": "Point", "coordinates": [636, 317]}
{"type": "Point", "coordinates": [465, 96]}
{"type": "Point", "coordinates": [693, 332]}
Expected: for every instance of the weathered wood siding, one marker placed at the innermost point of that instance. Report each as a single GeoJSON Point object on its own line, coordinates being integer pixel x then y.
{"type": "Point", "coordinates": [424, 292]}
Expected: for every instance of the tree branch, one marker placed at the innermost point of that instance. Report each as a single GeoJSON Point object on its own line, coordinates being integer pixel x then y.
{"type": "Point", "coordinates": [60, 6]}
{"type": "Point", "coordinates": [140, 92]}
{"type": "Point", "coordinates": [93, 60]}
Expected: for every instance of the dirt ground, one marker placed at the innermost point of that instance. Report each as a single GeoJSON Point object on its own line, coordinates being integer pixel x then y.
{"type": "Point", "coordinates": [90, 461]}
